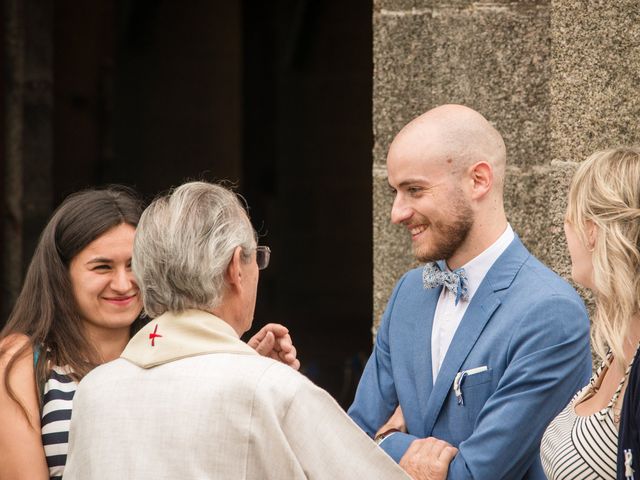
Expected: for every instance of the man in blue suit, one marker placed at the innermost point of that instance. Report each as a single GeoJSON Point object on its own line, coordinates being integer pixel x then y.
{"type": "Point", "coordinates": [486, 361]}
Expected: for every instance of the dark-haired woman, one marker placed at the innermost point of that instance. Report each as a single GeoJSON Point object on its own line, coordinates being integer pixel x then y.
{"type": "Point", "coordinates": [77, 309]}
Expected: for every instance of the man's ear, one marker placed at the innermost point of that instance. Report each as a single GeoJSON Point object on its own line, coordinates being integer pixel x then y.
{"type": "Point", "coordinates": [234, 270]}
{"type": "Point", "coordinates": [481, 174]}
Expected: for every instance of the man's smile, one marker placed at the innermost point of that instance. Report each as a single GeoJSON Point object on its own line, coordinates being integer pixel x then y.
{"type": "Point", "coordinates": [417, 230]}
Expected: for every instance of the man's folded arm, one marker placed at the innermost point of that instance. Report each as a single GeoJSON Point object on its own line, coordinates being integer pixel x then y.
{"type": "Point", "coordinates": [328, 444]}
{"type": "Point", "coordinates": [376, 396]}
{"type": "Point", "coordinates": [549, 361]}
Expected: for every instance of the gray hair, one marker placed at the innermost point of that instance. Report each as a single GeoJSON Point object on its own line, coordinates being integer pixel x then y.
{"type": "Point", "coordinates": [183, 245]}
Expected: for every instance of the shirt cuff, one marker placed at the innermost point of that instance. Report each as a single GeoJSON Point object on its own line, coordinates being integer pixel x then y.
{"type": "Point", "coordinates": [396, 444]}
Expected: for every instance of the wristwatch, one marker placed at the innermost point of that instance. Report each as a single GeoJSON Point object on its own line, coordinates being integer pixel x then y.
{"type": "Point", "coordinates": [381, 436]}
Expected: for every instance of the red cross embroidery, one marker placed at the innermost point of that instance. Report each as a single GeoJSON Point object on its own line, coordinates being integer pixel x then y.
{"type": "Point", "coordinates": [153, 335]}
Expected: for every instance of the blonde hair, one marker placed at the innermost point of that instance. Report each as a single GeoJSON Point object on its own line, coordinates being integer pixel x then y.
{"type": "Point", "coordinates": [605, 190]}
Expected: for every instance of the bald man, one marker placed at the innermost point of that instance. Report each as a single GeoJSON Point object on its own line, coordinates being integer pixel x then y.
{"type": "Point", "coordinates": [482, 345]}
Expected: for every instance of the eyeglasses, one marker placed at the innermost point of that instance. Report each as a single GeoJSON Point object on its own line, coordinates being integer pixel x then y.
{"type": "Point", "coordinates": [263, 254]}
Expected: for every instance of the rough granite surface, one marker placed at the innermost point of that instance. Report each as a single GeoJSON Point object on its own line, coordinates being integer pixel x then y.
{"type": "Point", "coordinates": [558, 79]}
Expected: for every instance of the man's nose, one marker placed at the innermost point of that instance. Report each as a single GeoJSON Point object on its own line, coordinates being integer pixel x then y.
{"type": "Point", "coordinates": [400, 211]}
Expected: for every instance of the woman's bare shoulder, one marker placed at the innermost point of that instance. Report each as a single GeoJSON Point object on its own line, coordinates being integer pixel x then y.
{"type": "Point", "coordinates": [12, 344]}
{"type": "Point", "coordinates": [21, 452]}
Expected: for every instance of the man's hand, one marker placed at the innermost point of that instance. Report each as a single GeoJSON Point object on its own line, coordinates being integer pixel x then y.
{"type": "Point", "coordinates": [428, 459]}
{"type": "Point", "coordinates": [395, 422]}
{"type": "Point", "coordinates": [273, 340]}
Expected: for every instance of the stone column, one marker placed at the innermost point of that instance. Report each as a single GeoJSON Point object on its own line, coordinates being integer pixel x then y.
{"type": "Point", "coordinates": [558, 79]}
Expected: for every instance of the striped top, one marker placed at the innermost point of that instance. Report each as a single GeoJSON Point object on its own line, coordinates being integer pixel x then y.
{"type": "Point", "coordinates": [56, 417]}
{"type": "Point", "coordinates": [576, 447]}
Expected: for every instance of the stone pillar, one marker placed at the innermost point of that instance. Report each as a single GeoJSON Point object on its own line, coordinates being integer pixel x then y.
{"type": "Point", "coordinates": [28, 140]}
{"type": "Point", "coordinates": [558, 79]}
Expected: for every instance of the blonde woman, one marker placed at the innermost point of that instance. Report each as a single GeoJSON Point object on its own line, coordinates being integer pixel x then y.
{"type": "Point", "coordinates": [602, 227]}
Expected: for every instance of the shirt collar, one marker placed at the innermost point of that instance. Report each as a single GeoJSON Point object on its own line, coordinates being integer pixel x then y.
{"type": "Point", "coordinates": [478, 267]}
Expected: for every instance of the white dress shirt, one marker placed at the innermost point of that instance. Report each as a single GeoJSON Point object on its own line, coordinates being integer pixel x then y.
{"type": "Point", "coordinates": [448, 315]}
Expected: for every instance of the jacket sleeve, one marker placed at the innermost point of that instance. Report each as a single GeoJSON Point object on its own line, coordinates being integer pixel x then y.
{"type": "Point", "coordinates": [328, 444]}
{"type": "Point", "coordinates": [549, 358]}
{"type": "Point", "coordinates": [376, 397]}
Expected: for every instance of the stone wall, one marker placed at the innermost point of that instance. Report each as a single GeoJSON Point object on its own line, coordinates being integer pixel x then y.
{"type": "Point", "coordinates": [558, 79]}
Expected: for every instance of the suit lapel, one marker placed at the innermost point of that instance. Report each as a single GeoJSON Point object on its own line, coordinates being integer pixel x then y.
{"type": "Point", "coordinates": [483, 304]}
{"type": "Point", "coordinates": [422, 348]}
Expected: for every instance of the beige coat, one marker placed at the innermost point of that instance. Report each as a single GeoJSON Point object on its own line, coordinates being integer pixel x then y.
{"type": "Point", "coordinates": [201, 404]}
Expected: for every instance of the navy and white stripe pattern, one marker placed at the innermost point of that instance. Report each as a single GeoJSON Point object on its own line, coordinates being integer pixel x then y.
{"type": "Point", "coordinates": [576, 447]}
{"type": "Point", "coordinates": [56, 417]}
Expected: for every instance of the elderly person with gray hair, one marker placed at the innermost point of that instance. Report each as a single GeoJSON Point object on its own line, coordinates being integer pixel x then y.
{"type": "Point", "coordinates": [188, 399]}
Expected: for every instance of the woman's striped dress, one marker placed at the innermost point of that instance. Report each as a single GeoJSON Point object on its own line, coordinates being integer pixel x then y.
{"type": "Point", "coordinates": [56, 417]}
{"type": "Point", "coordinates": [576, 447]}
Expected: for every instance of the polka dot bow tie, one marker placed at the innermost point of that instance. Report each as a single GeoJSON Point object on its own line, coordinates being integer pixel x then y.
{"type": "Point", "coordinates": [455, 281]}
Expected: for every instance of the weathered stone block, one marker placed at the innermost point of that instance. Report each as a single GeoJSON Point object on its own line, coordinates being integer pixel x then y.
{"type": "Point", "coordinates": [491, 57]}
{"type": "Point", "coordinates": [595, 58]}
{"type": "Point", "coordinates": [495, 60]}
{"type": "Point", "coordinates": [421, 4]}
{"type": "Point", "coordinates": [535, 201]}
{"type": "Point", "coordinates": [402, 83]}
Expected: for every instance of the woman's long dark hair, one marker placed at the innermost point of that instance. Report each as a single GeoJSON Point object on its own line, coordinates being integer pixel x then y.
{"type": "Point", "coordinates": [46, 309]}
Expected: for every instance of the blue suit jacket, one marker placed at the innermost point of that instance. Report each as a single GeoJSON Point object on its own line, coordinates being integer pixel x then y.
{"type": "Point", "coordinates": [525, 324]}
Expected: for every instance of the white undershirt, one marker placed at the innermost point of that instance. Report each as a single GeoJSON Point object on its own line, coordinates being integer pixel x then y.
{"type": "Point", "coordinates": [448, 315]}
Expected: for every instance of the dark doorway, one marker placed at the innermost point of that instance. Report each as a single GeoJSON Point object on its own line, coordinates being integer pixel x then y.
{"type": "Point", "coordinates": [307, 175]}
{"type": "Point", "coordinates": [274, 96]}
